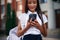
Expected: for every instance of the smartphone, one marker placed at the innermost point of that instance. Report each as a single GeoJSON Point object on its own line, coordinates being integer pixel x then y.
{"type": "Point", "coordinates": [32, 16]}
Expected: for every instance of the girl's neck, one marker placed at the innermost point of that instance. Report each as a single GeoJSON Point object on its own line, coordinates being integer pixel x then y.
{"type": "Point", "coordinates": [32, 11]}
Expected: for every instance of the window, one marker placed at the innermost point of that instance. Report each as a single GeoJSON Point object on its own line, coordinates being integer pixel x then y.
{"type": "Point", "coordinates": [2, 11]}
{"type": "Point", "coordinates": [57, 11]}
{"type": "Point", "coordinates": [2, 8]}
{"type": "Point", "coordinates": [43, 1]}
{"type": "Point", "coordinates": [3, 17]}
{"type": "Point", "coordinates": [57, 1]}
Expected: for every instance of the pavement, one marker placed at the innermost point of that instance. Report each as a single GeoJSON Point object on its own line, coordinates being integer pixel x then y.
{"type": "Point", "coordinates": [51, 39]}
{"type": "Point", "coordinates": [52, 35]}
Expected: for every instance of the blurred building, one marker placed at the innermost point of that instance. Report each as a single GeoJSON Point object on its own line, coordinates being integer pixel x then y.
{"type": "Point", "coordinates": [51, 8]}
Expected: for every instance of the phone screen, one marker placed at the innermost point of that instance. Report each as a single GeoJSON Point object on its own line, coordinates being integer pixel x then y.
{"type": "Point", "coordinates": [32, 16]}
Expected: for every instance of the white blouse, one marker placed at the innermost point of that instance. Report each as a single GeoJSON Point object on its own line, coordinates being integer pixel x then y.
{"type": "Point", "coordinates": [32, 30]}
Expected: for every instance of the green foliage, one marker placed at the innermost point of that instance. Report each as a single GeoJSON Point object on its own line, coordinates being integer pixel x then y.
{"type": "Point", "coordinates": [11, 19]}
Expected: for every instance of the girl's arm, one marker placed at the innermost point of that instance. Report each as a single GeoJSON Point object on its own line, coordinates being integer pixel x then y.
{"type": "Point", "coordinates": [20, 31]}
{"type": "Point", "coordinates": [43, 29]}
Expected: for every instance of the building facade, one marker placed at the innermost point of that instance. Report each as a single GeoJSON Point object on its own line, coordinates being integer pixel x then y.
{"type": "Point", "coordinates": [51, 8]}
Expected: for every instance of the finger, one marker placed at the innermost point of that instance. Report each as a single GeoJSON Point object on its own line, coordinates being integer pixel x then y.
{"type": "Point", "coordinates": [31, 20]}
{"type": "Point", "coordinates": [36, 21]}
{"type": "Point", "coordinates": [32, 24]}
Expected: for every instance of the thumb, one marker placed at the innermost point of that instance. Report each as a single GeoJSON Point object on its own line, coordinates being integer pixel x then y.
{"type": "Point", "coordinates": [31, 20]}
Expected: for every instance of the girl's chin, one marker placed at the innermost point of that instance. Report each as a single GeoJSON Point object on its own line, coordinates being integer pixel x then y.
{"type": "Point", "coordinates": [32, 10]}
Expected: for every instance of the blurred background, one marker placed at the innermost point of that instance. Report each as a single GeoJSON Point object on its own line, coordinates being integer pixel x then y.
{"type": "Point", "coordinates": [10, 10]}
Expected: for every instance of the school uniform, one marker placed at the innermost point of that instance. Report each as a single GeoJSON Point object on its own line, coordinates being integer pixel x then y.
{"type": "Point", "coordinates": [32, 33]}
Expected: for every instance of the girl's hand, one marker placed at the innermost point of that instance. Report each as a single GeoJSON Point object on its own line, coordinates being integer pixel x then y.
{"type": "Point", "coordinates": [29, 23]}
{"type": "Point", "coordinates": [36, 24]}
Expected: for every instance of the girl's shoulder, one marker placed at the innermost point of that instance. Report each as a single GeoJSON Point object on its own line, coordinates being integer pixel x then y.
{"type": "Point", "coordinates": [45, 18]}
{"type": "Point", "coordinates": [43, 15]}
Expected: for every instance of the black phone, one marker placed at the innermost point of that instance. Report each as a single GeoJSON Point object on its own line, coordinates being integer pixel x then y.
{"type": "Point", "coordinates": [33, 16]}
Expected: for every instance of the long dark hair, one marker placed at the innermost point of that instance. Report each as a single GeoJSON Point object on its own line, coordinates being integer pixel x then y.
{"type": "Point", "coordinates": [38, 9]}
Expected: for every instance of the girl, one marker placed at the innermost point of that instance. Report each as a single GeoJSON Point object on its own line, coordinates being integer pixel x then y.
{"type": "Point", "coordinates": [32, 30]}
